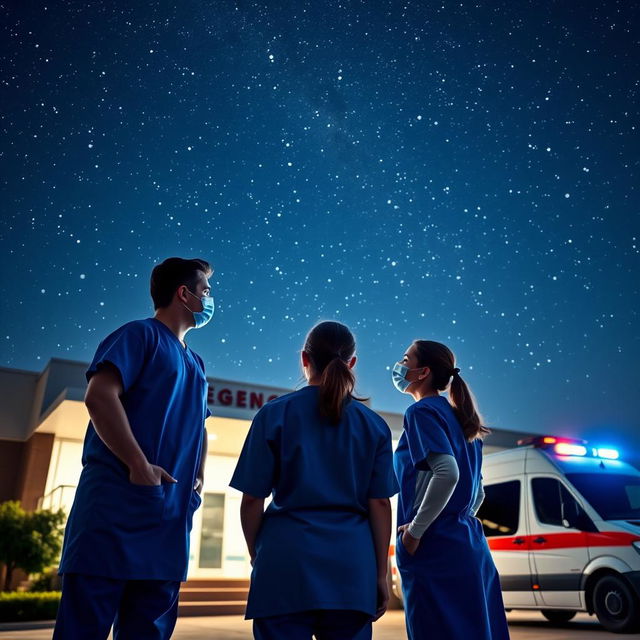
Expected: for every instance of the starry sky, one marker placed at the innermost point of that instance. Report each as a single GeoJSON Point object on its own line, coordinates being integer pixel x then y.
{"type": "Point", "coordinates": [459, 171]}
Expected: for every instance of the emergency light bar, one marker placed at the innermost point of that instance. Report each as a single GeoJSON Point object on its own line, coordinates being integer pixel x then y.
{"type": "Point", "coordinates": [570, 447]}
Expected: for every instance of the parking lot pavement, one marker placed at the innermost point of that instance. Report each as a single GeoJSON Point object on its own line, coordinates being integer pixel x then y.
{"type": "Point", "coordinates": [523, 626]}
{"type": "Point", "coordinates": [532, 625]}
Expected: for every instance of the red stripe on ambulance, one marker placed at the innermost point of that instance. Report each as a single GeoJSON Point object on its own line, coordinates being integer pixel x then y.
{"type": "Point", "coordinates": [562, 541]}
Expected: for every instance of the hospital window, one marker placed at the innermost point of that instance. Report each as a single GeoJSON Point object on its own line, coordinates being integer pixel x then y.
{"type": "Point", "coordinates": [212, 531]}
{"type": "Point", "coordinates": [500, 511]}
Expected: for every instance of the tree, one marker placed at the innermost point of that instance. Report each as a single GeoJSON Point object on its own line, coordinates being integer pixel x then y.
{"type": "Point", "coordinates": [28, 540]}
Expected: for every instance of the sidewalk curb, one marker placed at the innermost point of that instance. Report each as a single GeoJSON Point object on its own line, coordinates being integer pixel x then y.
{"type": "Point", "coordinates": [27, 626]}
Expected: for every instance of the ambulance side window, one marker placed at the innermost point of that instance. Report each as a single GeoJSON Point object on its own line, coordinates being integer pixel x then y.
{"type": "Point", "coordinates": [555, 505]}
{"type": "Point", "coordinates": [500, 511]}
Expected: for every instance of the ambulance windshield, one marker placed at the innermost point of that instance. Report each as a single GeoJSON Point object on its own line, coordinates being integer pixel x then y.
{"type": "Point", "coordinates": [614, 497]}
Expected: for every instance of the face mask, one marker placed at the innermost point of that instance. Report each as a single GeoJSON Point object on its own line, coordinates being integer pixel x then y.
{"type": "Point", "coordinates": [398, 377]}
{"type": "Point", "coordinates": [208, 307]}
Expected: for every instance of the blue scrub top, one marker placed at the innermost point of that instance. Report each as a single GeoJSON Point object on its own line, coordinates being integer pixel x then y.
{"type": "Point", "coordinates": [315, 548]}
{"type": "Point", "coordinates": [430, 426]}
{"type": "Point", "coordinates": [124, 531]}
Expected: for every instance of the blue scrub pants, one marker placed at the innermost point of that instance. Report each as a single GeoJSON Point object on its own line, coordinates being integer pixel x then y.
{"type": "Point", "coordinates": [324, 624]}
{"type": "Point", "coordinates": [137, 609]}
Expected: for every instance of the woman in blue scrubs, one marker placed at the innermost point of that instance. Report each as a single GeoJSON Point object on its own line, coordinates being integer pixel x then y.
{"type": "Point", "coordinates": [449, 581]}
{"type": "Point", "coordinates": [319, 551]}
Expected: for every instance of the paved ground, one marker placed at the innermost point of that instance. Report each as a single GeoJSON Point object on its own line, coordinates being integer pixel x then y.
{"type": "Point", "coordinates": [523, 626]}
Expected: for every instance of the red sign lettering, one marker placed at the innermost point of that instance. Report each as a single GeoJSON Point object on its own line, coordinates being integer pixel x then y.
{"type": "Point", "coordinates": [256, 400]}
{"type": "Point", "coordinates": [237, 398]}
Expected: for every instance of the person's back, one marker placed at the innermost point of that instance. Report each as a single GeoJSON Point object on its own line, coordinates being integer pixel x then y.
{"type": "Point", "coordinates": [319, 550]}
{"type": "Point", "coordinates": [323, 466]}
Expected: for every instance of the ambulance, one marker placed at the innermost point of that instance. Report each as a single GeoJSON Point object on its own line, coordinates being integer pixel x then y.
{"type": "Point", "coordinates": [562, 519]}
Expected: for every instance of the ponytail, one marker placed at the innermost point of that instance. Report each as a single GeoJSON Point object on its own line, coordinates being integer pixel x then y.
{"type": "Point", "coordinates": [440, 359]}
{"type": "Point", "coordinates": [464, 406]}
{"type": "Point", "coordinates": [336, 385]}
{"type": "Point", "coordinates": [330, 346]}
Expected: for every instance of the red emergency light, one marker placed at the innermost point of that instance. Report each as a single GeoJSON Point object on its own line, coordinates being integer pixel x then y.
{"type": "Point", "coordinates": [560, 446]}
{"type": "Point", "coordinates": [544, 441]}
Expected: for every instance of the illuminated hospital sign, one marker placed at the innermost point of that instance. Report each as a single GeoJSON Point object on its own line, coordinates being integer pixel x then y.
{"type": "Point", "coordinates": [236, 400]}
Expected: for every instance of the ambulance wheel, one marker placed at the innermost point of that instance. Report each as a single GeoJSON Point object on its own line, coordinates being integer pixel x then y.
{"type": "Point", "coordinates": [616, 605]}
{"type": "Point", "coordinates": [558, 616]}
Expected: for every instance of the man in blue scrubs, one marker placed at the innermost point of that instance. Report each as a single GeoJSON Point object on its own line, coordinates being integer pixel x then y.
{"type": "Point", "coordinates": [126, 544]}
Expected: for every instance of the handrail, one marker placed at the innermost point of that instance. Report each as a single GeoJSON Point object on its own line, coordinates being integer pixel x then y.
{"type": "Point", "coordinates": [47, 501]}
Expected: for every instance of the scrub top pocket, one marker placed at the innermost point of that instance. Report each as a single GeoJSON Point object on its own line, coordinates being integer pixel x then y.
{"type": "Point", "coordinates": [129, 507]}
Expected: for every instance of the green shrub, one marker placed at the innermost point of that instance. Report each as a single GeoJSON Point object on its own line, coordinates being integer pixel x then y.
{"type": "Point", "coordinates": [28, 540]}
{"type": "Point", "coordinates": [48, 580]}
{"type": "Point", "coordinates": [18, 606]}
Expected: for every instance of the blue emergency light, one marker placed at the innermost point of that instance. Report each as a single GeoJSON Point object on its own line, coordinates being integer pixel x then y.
{"type": "Point", "coordinates": [570, 447]}
{"type": "Point", "coordinates": [609, 454]}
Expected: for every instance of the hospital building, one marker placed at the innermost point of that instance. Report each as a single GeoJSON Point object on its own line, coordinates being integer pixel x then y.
{"type": "Point", "coordinates": [43, 421]}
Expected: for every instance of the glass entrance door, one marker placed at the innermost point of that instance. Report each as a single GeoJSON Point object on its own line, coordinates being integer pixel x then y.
{"type": "Point", "coordinates": [211, 533]}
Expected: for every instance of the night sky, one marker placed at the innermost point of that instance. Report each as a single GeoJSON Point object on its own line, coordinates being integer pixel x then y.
{"type": "Point", "coordinates": [457, 171]}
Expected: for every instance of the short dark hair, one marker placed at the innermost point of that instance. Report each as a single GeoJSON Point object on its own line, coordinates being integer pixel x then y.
{"type": "Point", "coordinates": [167, 276]}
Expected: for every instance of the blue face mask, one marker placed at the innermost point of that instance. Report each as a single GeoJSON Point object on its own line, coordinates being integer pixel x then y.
{"type": "Point", "coordinates": [208, 307]}
{"type": "Point", "coordinates": [399, 377]}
